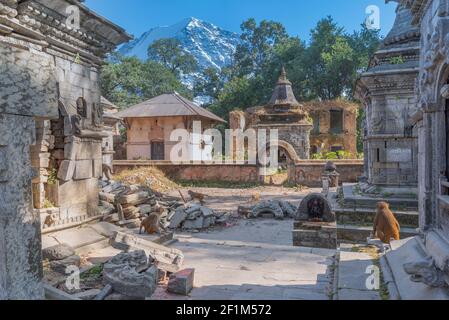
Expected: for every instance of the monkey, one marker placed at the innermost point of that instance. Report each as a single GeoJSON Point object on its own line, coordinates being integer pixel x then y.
{"type": "Point", "coordinates": [49, 221]}
{"type": "Point", "coordinates": [255, 198]}
{"type": "Point", "coordinates": [386, 226]}
{"type": "Point", "coordinates": [107, 171]}
{"type": "Point", "coordinates": [151, 223]}
{"type": "Point", "coordinates": [197, 196]}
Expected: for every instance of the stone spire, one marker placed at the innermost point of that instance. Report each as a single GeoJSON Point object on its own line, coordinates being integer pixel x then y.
{"type": "Point", "coordinates": [283, 96]}
{"type": "Point", "coordinates": [403, 30]}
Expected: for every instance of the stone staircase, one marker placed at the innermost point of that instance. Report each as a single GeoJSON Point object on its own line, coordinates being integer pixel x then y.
{"type": "Point", "coordinates": [355, 215]}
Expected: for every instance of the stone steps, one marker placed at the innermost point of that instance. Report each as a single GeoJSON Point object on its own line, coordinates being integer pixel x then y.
{"type": "Point", "coordinates": [365, 217]}
{"type": "Point", "coordinates": [360, 234]}
{"type": "Point", "coordinates": [352, 200]}
{"type": "Point", "coordinates": [351, 280]}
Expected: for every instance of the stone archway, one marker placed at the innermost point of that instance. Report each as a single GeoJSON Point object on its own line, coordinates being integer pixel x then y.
{"type": "Point", "coordinates": [287, 158]}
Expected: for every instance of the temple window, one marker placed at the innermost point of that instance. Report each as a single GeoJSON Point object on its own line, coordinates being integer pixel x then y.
{"type": "Point", "coordinates": [336, 121]}
{"type": "Point", "coordinates": [316, 124]}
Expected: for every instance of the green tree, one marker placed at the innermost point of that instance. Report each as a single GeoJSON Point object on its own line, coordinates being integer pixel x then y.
{"type": "Point", "coordinates": [169, 52]}
{"type": "Point", "coordinates": [210, 84]}
{"type": "Point", "coordinates": [258, 41]}
{"type": "Point", "coordinates": [127, 80]}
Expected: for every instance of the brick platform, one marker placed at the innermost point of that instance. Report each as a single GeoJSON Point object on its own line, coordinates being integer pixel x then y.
{"type": "Point", "coordinates": [315, 234]}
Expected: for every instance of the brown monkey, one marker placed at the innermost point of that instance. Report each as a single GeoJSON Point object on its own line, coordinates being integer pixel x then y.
{"type": "Point", "coordinates": [386, 226]}
{"type": "Point", "coordinates": [49, 221]}
{"type": "Point", "coordinates": [197, 196]}
{"type": "Point", "coordinates": [255, 197]}
{"type": "Point", "coordinates": [151, 223]}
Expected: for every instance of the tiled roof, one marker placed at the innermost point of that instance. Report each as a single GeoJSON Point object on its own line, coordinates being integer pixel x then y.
{"type": "Point", "coordinates": [168, 105]}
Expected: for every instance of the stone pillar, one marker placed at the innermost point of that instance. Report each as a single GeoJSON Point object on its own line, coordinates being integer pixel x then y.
{"type": "Point", "coordinates": [20, 237]}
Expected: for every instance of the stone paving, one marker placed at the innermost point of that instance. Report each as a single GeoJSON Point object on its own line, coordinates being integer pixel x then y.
{"type": "Point", "coordinates": [254, 260]}
{"type": "Point", "coordinates": [352, 276]}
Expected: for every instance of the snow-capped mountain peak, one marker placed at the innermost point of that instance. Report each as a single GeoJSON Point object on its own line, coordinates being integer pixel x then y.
{"type": "Point", "coordinates": [209, 44]}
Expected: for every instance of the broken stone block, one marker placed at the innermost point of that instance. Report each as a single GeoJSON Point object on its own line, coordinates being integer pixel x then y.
{"type": "Point", "coordinates": [83, 170]}
{"type": "Point", "coordinates": [122, 274]}
{"type": "Point", "coordinates": [181, 282]}
{"type": "Point", "coordinates": [268, 207]}
{"type": "Point", "coordinates": [107, 197]}
{"type": "Point", "coordinates": [193, 209]}
{"type": "Point", "coordinates": [177, 219]}
{"type": "Point", "coordinates": [207, 212]}
{"type": "Point", "coordinates": [133, 199]}
{"type": "Point", "coordinates": [129, 282]}
{"type": "Point", "coordinates": [194, 224]}
{"type": "Point", "coordinates": [131, 212]}
{"type": "Point", "coordinates": [66, 170]}
{"type": "Point", "coordinates": [159, 253]}
{"type": "Point", "coordinates": [87, 295]}
{"type": "Point", "coordinates": [145, 209]}
{"type": "Point", "coordinates": [107, 290]}
{"type": "Point", "coordinates": [61, 265]}
{"type": "Point", "coordinates": [58, 252]}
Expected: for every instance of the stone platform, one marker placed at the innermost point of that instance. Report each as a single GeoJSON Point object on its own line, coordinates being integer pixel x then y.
{"type": "Point", "coordinates": [315, 234]}
{"type": "Point", "coordinates": [407, 251]}
{"type": "Point", "coordinates": [398, 201]}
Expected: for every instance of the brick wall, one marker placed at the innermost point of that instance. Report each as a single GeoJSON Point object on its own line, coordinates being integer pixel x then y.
{"type": "Point", "coordinates": [308, 173]}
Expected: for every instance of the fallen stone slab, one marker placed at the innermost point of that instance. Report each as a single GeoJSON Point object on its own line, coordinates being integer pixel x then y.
{"type": "Point", "coordinates": [107, 290]}
{"type": "Point", "coordinates": [145, 208]}
{"type": "Point", "coordinates": [181, 282]}
{"type": "Point", "coordinates": [193, 224]}
{"type": "Point", "coordinates": [207, 212]}
{"type": "Point", "coordinates": [177, 219]}
{"type": "Point", "coordinates": [58, 252]}
{"type": "Point", "coordinates": [133, 198]}
{"type": "Point", "coordinates": [107, 197]}
{"type": "Point", "coordinates": [129, 282]}
{"type": "Point", "coordinates": [52, 293]}
{"type": "Point", "coordinates": [159, 253]}
{"type": "Point", "coordinates": [125, 275]}
{"type": "Point", "coordinates": [61, 265]}
{"type": "Point", "coordinates": [87, 295]}
{"type": "Point", "coordinates": [268, 207]}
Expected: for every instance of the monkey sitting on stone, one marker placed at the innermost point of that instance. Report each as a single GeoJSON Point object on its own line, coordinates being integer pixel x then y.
{"type": "Point", "coordinates": [151, 223]}
{"type": "Point", "coordinates": [197, 196]}
{"type": "Point", "coordinates": [386, 227]}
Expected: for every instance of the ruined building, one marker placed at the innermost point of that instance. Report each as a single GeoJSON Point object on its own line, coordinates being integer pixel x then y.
{"type": "Point", "coordinates": [387, 91]}
{"type": "Point", "coordinates": [51, 127]}
{"type": "Point", "coordinates": [306, 128]}
{"type": "Point", "coordinates": [334, 127]}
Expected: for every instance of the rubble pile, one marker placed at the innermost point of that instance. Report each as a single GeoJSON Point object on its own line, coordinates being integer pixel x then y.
{"type": "Point", "coordinates": [195, 217]}
{"type": "Point", "coordinates": [128, 205]}
{"type": "Point", "coordinates": [277, 208]}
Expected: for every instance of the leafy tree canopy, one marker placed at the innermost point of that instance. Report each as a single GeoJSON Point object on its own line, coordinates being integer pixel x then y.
{"type": "Point", "coordinates": [169, 52]}
{"type": "Point", "coordinates": [126, 81]}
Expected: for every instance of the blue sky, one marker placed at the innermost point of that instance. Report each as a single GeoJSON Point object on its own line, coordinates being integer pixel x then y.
{"type": "Point", "coordinates": [298, 16]}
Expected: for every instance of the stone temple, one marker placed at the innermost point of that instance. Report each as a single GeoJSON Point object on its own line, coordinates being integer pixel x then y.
{"type": "Point", "coordinates": [387, 90]}
{"type": "Point", "coordinates": [305, 128]}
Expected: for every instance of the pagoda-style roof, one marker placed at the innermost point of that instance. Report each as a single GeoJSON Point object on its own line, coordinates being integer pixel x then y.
{"type": "Point", "coordinates": [168, 105]}
{"type": "Point", "coordinates": [283, 96]}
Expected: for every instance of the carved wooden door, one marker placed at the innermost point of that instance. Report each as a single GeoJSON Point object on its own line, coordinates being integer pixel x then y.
{"type": "Point", "coordinates": [157, 151]}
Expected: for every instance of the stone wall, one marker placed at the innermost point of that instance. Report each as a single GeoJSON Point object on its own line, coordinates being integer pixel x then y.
{"type": "Point", "coordinates": [308, 173]}
{"type": "Point", "coordinates": [44, 64]}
